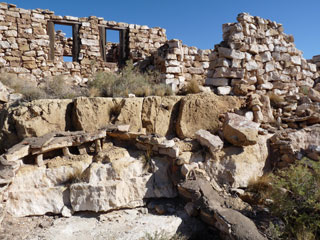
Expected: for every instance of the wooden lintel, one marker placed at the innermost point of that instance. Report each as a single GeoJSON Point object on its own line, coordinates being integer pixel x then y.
{"type": "Point", "coordinates": [65, 22]}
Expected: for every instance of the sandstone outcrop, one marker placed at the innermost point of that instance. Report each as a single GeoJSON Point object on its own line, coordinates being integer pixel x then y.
{"type": "Point", "coordinates": [159, 114]}
{"type": "Point", "coordinates": [203, 112]}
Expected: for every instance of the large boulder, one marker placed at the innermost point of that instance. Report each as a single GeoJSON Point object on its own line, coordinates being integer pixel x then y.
{"type": "Point", "coordinates": [202, 111]}
{"type": "Point", "coordinates": [40, 190]}
{"type": "Point", "coordinates": [124, 183]}
{"type": "Point", "coordinates": [240, 131]}
{"type": "Point", "coordinates": [231, 223]}
{"type": "Point", "coordinates": [159, 114]}
{"type": "Point", "coordinates": [237, 166]}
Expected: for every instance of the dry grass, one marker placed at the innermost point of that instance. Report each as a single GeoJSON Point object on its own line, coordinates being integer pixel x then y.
{"type": "Point", "coordinates": [129, 81]}
{"type": "Point", "coordinates": [52, 88]}
{"type": "Point", "coordinates": [193, 87]}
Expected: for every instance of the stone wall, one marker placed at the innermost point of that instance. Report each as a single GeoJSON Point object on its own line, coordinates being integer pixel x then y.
{"type": "Point", "coordinates": [179, 63]}
{"type": "Point", "coordinates": [27, 50]}
{"type": "Point", "coordinates": [255, 56]}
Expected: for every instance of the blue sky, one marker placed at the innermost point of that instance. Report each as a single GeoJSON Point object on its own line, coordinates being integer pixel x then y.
{"type": "Point", "coordinates": [197, 22]}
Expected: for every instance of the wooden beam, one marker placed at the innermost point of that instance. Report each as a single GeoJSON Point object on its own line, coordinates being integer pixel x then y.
{"type": "Point", "coordinates": [76, 43]}
{"type": "Point", "coordinates": [65, 22]}
{"type": "Point", "coordinates": [112, 28]}
{"type": "Point", "coordinates": [124, 46]}
{"type": "Point", "coordinates": [102, 35]}
{"type": "Point", "coordinates": [51, 33]}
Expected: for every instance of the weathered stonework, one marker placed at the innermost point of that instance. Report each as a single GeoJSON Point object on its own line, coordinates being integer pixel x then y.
{"type": "Point", "coordinates": [30, 47]}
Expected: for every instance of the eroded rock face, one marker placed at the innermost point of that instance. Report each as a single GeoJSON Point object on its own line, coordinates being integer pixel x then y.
{"type": "Point", "coordinates": [240, 131]}
{"type": "Point", "coordinates": [159, 114]}
{"type": "Point", "coordinates": [34, 119]}
{"type": "Point", "coordinates": [40, 190]}
{"type": "Point", "coordinates": [123, 183]}
{"type": "Point", "coordinates": [202, 111]}
{"type": "Point", "coordinates": [90, 114]}
{"type": "Point", "coordinates": [236, 166]}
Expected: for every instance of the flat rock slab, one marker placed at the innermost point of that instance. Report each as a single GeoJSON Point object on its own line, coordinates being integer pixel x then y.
{"type": "Point", "coordinates": [120, 225]}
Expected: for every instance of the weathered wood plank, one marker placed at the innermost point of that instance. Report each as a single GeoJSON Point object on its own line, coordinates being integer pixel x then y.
{"type": "Point", "coordinates": [76, 42]}
{"type": "Point", "coordinates": [51, 33]}
{"type": "Point", "coordinates": [102, 35]}
{"type": "Point", "coordinates": [124, 44]}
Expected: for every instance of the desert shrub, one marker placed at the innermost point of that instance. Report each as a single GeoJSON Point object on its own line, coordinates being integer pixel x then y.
{"type": "Point", "coordinates": [57, 87]}
{"type": "Point", "coordinates": [28, 89]}
{"type": "Point", "coordinates": [128, 80]}
{"type": "Point", "coordinates": [51, 88]}
{"type": "Point", "coordinates": [295, 195]}
{"type": "Point", "coordinates": [192, 87]}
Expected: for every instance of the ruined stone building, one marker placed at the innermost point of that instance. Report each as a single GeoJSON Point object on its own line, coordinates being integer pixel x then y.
{"type": "Point", "coordinates": [255, 54]}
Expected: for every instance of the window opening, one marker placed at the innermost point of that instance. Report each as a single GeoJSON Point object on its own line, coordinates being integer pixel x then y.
{"type": "Point", "coordinates": [112, 45]}
{"type": "Point", "coordinates": [64, 41]}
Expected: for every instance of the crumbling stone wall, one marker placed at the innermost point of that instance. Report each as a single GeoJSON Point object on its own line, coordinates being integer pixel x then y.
{"type": "Point", "coordinates": [30, 50]}
{"type": "Point", "coordinates": [179, 63]}
{"type": "Point", "coordinates": [256, 55]}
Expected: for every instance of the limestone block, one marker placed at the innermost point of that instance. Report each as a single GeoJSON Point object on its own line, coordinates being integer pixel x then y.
{"type": "Point", "coordinates": [251, 65]}
{"type": "Point", "coordinates": [212, 142]}
{"type": "Point", "coordinates": [93, 113]}
{"type": "Point", "coordinates": [230, 53]}
{"type": "Point", "coordinates": [239, 131]}
{"type": "Point", "coordinates": [130, 113]}
{"type": "Point", "coordinates": [266, 56]}
{"type": "Point", "coordinates": [173, 70]}
{"type": "Point", "coordinates": [225, 90]}
{"type": "Point", "coordinates": [296, 60]}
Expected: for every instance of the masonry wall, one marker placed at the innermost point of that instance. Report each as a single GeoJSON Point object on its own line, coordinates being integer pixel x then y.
{"type": "Point", "coordinates": [27, 50]}
{"type": "Point", "coordinates": [255, 56]}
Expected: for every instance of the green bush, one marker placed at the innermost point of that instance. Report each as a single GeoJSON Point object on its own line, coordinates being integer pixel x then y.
{"type": "Point", "coordinates": [295, 194]}
{"type": "Point", "coordinates": [128, 80]}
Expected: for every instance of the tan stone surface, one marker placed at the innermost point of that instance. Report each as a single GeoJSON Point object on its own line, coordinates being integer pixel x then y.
{"type": "Point", "coordinates": [202, 111]}
{"type": "Point", "coordinates": [40, 117]}
{"type": "Point", "coordinates": [92, 113]}
{"type": "Point", "coordinates": [159, 114]}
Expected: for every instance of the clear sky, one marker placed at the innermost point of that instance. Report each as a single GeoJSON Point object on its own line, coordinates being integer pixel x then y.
{"type": "Point", "coordinates": [197, 22]}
